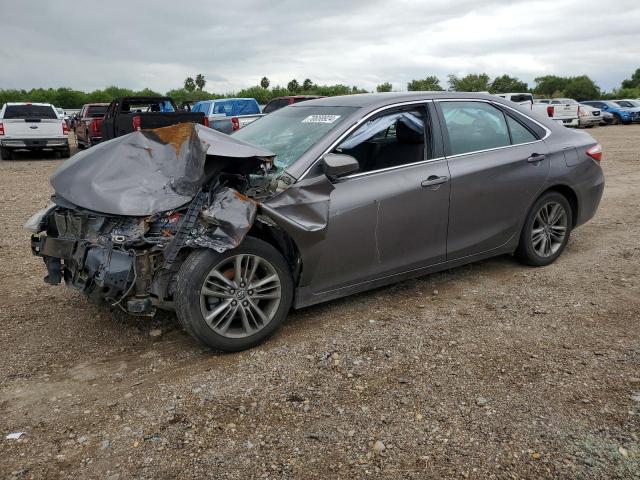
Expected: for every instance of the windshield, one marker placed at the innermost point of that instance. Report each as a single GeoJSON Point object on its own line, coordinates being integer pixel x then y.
{"type": "Point", "coordinates": [291, 131]}
{"type": "Point", "coordinates": [30, 111]}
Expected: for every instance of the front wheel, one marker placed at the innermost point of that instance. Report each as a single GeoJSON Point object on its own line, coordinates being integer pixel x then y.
{"type": "Point", "coordinates": [234, 300]}
{"type": "Point", "coordinates": [546, 230]}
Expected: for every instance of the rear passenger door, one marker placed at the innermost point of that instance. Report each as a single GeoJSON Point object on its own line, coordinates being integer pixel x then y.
{"type": "Point", "coordinates": [498, 164]}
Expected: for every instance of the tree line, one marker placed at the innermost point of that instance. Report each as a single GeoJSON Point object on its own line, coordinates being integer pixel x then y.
{"type": "Point", "coordinates": [580, 88]}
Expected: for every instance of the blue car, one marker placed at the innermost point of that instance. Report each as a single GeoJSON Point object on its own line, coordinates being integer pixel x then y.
{"type": "Point", "coordinates": [620, 114]}
{"type": "Point", "coordinates": [229, 114]}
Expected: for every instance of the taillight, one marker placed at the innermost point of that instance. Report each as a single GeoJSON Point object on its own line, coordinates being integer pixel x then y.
{"type": "Point", "coordinates": [550, 111]}
{"type": "Point", "coordinates": [136, 122]}
{"type": "Point", "coordinates": [94, 126]}
{"type": "Point", "coordinates": [235, 123]}
{"type": "Point", "coordinates": [206, 121]}
{"type": "Point", "coordinates": [65, 128]}
{"type": "Point", "coordinates": [595, 152]}
{"type": "Point", "coordinates": [1, 129]}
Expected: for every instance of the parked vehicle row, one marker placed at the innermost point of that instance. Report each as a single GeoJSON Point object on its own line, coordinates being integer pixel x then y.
{"type": "Point", "coordinates": [623, 112]}
{"type": "Point", "coordinates": [33, 127]}
{"type": "Point", "coordinates": [565, 113]}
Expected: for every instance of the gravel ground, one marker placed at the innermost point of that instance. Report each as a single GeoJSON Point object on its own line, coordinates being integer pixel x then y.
{"type": "Point", "coordinates": [492, 370]}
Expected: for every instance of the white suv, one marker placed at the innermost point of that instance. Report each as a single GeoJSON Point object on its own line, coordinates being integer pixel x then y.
{"type": "Point", "coordinates": [32, 126]}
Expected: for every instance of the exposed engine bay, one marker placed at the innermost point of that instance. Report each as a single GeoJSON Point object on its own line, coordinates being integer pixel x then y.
{"type": "Point", "coordinates": [126, 213]}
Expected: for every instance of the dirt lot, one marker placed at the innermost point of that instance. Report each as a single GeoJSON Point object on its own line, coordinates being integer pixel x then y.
{"type": "Point", "coordinates": [492, 370]}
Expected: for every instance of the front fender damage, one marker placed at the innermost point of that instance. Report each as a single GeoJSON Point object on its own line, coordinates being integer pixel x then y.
{"type": "Point", "coordinates": [108, 243]}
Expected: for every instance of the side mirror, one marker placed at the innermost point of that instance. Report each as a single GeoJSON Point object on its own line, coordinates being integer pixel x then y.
{"type": "Point", "coordinates": [339, 165]}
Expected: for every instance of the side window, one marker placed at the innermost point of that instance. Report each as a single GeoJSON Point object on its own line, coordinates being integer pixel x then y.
{"type": "Point", "coordinates": [519, 133]}
{"type": "Point", "coordinates": [392, 139]}
{"type": "Point", "coordinates": [474, 126]}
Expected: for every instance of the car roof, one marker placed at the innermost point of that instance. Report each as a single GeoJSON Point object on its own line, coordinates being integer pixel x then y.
{"type": "Point", "coordinates": [144, 99]}
{"type": "Point", "coordinates": [232, 99]}
{"type": "Point", "coordinates": [296, 96]}
{"type": "Point", "coordinates": [96, 104]}
{"type": "Point", "coordinates": [388, 98]}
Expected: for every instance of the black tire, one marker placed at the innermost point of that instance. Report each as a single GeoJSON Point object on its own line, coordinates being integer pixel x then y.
{"type": "Point", "coordinates": [192, 276]}
{"type": "Point", "coordinates": [65, 153]}
{"type": "Point", "coordinates": [81, 146]}
{"type": "Point", "coordinates": [6, 154]}
{"type": "Point", "coordinates": [526, 252]}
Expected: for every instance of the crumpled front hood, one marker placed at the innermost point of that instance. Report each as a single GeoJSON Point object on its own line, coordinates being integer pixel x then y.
{"type": "Point", "coordinates": [150, 171]}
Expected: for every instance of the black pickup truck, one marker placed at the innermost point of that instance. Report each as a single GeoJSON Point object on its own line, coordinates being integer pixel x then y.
{"type": "Point", "coordinates": [127, 114]}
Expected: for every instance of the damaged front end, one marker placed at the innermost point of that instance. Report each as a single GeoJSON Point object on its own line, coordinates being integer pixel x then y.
{"type": "Point", "coordinates": [127, 212]}
{"type": "Point", "coordinates": [130, 261]}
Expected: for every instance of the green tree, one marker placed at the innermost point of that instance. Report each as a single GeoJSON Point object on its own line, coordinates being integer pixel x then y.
{"type": "Point", "coordinates": [505, 83]}
{"type": "Point", "coordinates": [293, 86]}
{"type": "Point", "coordinates": [200, 81]}
{"type": "Point", "coordinates": [550, 85]}
{"type": "Point", "coordinates": [307, 85]}
{"type": "Point", "coordinates": [473, 82]}
{"type": "Point", "coordinates": [384, 87]}
{"type": "Point", "coordinates": [581, 88]}
{"type": "Point", "coordinates": [189, 84]}
{"type": "Point", "coordinates": [633, 82]}
{"type": "Point", "coordinates": [264, 83]}
{"type": "Point", "coordinates": [428, 84]}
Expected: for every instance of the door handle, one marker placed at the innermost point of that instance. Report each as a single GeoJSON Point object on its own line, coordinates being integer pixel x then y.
{"type": "Point", "coordinates": [536, 158]}
{"type": "Point", "coordinates": [434, 181]}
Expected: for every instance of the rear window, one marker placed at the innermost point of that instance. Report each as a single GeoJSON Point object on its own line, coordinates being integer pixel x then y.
{"type": "Point", "coordinates": [30, 111]}
{"type": "Point", "coordinates": [236, 107]}
{"type": "Point", "coordinates": [525, 97]}
{"type": "Point", "coordinates": [97, 111]}
{"type": "Point", "coordinates": [146, 106]}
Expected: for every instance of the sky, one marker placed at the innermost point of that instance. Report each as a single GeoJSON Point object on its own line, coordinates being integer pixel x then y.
{"type": "Point", "coordinates": [157, 44]}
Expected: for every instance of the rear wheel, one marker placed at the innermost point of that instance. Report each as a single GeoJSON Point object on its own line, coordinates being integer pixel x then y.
{"type": "Point", "coordinates": [546, 230]}
{"type": "Point", "coordinates": [6, 154]}
{"type": "Point", "coordinates": [65, 153]}
{"type": "Point", "coordinates": [234, 300]}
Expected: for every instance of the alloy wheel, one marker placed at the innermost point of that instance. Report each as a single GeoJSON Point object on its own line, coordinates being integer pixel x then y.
{"type": "Point", "coordinates": [549, 229]}
{"type": "Point", "coordinates": [240, 295]}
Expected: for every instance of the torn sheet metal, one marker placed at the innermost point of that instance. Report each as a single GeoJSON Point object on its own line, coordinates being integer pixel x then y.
{"type": "Point", "coordinates": [225, 222]}
{"type": "Point", "coordinates": [151, 171]}
{"type": "Point", "coordinates": [303, 208]}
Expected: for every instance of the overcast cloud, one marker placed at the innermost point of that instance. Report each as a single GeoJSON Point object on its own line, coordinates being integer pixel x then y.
{"type": "Point", "coordinates": [156, 44]}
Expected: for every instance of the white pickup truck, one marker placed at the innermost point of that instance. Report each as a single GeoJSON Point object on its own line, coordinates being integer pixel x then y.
{"type": "Point", "coordinates": [32, 126]}
{"type": "Point", "coordinates": [565, 113]}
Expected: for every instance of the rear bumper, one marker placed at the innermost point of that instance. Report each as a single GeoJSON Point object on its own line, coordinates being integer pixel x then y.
{"type": "Point", "coordinates": [586, 121]}
{"type": "Point", "coordinates": [30, 143]}
{"type": "Point", "coordinates": [568, 122]}
{"type": "Point", "coordinates": [589, 195]}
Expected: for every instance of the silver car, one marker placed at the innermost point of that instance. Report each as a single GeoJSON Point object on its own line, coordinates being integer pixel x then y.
{"type": "Point", "coordinates": [316, 201]}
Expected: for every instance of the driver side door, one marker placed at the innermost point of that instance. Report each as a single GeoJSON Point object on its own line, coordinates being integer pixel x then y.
{"type": "Point", "coordinates": [391, 216]}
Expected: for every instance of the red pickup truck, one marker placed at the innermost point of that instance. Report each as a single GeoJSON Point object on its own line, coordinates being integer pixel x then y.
{"type": "Point", "coordinates": [89, 124]}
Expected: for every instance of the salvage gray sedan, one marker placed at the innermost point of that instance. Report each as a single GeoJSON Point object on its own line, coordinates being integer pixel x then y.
{"type": "Point", "coordinates": [313, 202]}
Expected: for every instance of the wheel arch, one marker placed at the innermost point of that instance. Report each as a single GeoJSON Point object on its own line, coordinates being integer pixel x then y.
{"type": "Point", "coordinates": [281, 241]}
{"type": "Point", "coordinates": [571, 197]}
